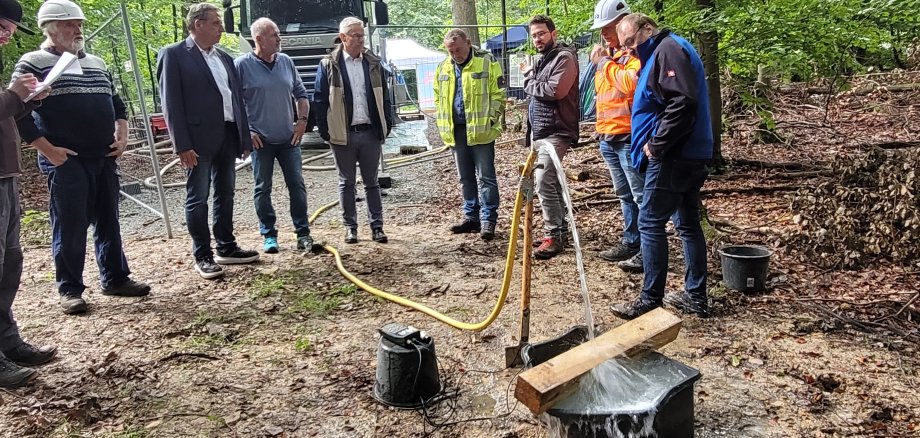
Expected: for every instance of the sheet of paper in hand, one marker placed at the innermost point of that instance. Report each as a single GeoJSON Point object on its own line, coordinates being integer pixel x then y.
{"type": "Point", "coordinates": [67, 64]}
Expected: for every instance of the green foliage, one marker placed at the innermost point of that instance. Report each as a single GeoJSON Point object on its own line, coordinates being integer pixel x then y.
{"type": "Point", "coordinates": [35, 228]}
{"type": "Point", "coordinates": [303, 344]}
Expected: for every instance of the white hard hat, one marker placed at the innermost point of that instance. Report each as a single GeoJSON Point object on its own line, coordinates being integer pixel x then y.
{"type": "Point", "coordinates": [607, 11]}
{"type": "Point", "coordinates": [59, 10]}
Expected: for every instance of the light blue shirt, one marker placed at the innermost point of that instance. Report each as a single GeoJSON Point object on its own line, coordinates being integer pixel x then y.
{"type": "Point", "coordinates": [268, 93]}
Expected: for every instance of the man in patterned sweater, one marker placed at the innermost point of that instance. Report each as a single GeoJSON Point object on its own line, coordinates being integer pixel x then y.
{"type": "Point", "coordinates": [79, 131]}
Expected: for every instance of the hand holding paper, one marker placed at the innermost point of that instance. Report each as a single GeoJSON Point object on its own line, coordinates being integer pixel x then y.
{"type": "Point", "coordinates": [66, 65]}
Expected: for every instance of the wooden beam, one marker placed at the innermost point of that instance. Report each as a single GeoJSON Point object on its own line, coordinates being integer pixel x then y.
{"type": "Point", "coordinates": [540, 387]}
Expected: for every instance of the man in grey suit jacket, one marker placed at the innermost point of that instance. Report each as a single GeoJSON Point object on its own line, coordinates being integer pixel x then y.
{"type": "Point", "coordinates": [203, 103]}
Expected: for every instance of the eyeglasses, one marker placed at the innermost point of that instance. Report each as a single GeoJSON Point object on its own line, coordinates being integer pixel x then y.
{"type": "Point", "coordinates": [631, 41]}
{"type": "Point", "coordinates": [539, 35]}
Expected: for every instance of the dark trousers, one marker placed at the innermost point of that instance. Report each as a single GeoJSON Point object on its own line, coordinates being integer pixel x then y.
{"type": "Point", "coordinates": [220, 171]}
{"type": "Point", "coordinates": [364, 149]}
{"type": "Point", "coordinates": [673, 187]}
{"type": "Point", "coordinates": [84, 192]}
{"type": "Point", "coordinates": [10, 261]}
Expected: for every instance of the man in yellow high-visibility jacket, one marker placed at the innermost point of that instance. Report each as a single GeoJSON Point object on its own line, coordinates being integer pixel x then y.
{"type": "Point", "coordinates": [470, 98]}
{"type": "Point", "coordinates": [615, 85]}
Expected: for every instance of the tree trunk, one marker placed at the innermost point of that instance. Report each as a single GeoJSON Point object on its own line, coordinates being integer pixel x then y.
{"type": "Point", "coordinates": [464, 13]}
{"type": "Point", "coordinates": [709, 51]}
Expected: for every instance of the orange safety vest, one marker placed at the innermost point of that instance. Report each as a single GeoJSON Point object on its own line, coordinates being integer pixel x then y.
{"type": "Point", "coordinates": [615, 84]}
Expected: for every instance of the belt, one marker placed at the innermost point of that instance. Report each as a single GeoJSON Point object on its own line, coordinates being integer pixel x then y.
{"type": "Point", "coordinates": [359, 128]}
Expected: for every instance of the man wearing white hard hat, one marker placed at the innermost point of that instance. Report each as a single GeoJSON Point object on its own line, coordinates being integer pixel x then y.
{"type": "Point", "coordinates": [16, 356]}
{"type": "Point", "coordinates": [615, 85]}
{"type": "Point", "coordinates": [80, 130]}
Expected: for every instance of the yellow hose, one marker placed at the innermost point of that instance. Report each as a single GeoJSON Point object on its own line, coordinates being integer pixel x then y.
{"type": "Point", "coordinates": [506, 278]}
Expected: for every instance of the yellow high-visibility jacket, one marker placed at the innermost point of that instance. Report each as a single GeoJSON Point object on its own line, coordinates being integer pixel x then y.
{"type": "Point", "coordinates": [483, 98]}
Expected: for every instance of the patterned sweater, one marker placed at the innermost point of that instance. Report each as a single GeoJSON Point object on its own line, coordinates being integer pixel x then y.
{"type": "Point", "coordinates": [81, 111]}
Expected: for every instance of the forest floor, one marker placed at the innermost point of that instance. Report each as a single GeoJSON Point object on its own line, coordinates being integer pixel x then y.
{"type": "Point", "coordinates": [287, 347]}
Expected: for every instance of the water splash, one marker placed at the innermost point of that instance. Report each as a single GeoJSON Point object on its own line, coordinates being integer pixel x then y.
{"type": "Point", "coordinates": [576, 241]}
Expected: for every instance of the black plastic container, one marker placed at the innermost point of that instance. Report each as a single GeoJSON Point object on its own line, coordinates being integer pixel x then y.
{"type": "Point", "coordinates": [663, 408]}
{"type": "Point", "coordinates": [407, 375]}
{"type": "Point", "coordinates": [745, 267]}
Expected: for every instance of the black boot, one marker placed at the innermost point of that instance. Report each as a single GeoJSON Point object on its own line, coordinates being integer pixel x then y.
{"type": "Point", "coordinates": [28, 355]}
{"type": "Point", "coordinates": [14, 376]}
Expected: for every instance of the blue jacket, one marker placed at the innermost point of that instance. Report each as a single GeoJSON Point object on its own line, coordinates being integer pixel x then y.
{"type": "Point", "coordinates": [671, 106]}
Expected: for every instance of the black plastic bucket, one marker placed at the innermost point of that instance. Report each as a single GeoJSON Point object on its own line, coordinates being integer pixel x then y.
{"type": "Point", "coordinates": [666, 412]}
{"type": "Point", "coordinates": [407, 376]}
{"type": "Point", "coordinates": [745, 267]}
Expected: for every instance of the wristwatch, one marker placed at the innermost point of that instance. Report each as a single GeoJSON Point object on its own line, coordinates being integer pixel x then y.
{"type": "Point", "coordinates": [302, 119]}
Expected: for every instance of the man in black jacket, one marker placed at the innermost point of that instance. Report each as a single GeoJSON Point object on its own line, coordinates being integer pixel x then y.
{"type": "Point", "coordinates": [552, 116]}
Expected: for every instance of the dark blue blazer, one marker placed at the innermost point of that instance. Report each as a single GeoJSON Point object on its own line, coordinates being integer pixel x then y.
{"type": "Point", "coordinates": [192, 103]}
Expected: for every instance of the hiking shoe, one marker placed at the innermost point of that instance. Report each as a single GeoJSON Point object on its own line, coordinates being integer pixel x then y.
{"type": "Point", "coordinates": [378, 235]}
{"type": "Point", "coordinates": [208, 269]}
{"type": "Point", "coordinates": [351, 235]}
{"type": "Point", "coordinates": [633, 309]}
{"type": "Point", "coordinates": [632, 264]}
{"type": "Point", "coordinates": [236, 256]}
{"type": "Point", "coordinates": [129, 288]}
{"type": "Point", "coordinates": [305, 243]}
{"type": "Point", "coordinates": [467, 226]}
{"type": "Point", "coordinates": [619, 253]}
{"type": "Point", "coordinates": [488, 231]}
{"type": "Point", "coordinates": [14, 376]}
{"type": "Point", "coordinates": [682, 302]}
{"type": "Point", "coordinates": [28, 355]}
{"type": "Point", "coordinates": [271, 245]}
{"type": "Point", "coordinates": [73, 304]}
{"type": "Point", "coordinates": [550, 247]}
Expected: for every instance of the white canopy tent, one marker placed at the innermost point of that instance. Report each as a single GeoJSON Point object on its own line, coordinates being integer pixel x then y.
{"type": "Point", "coordinates": [407, 54]}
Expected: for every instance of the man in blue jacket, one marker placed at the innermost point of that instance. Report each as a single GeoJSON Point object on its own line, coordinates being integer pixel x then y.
{"type": "Point", "coordinates": [672, 143]}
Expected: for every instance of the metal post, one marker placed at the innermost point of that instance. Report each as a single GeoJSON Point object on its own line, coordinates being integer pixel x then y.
{"type": "Point", "coordinates": [506, 67]}
{"type": "Point", "coordinates": [140, 94]}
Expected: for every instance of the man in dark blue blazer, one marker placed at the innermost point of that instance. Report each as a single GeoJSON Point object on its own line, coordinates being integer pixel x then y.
{"type": "Point", "coordinates": [203, 103]}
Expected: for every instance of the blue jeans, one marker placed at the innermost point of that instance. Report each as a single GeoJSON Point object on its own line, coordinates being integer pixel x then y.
{"type": "Point", "coordinates": [263, 165]}
{"type": "Point", "coordinates": [220, 171]}
{"type": "Point", "coordinates": [628, 184]}
{"type": "Point", "coordinates": [673, 186]}
{"type": "Point", "coordinates": [84, 192]}
{"type": "Point", "coordinates": [476, 167]}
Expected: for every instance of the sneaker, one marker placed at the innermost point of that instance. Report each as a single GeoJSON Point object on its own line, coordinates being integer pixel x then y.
{"type": "Point", "coordinates": [632, 264]}
{"type": "Point", "coordinates": [236, 256]}
{"type": "Point", "coordinates": [28, 355]}
{"type": "Point", "coordinates": [620, 252]}
{"type": "Point", "coordinates": [633, 309]}
{"type": "Point", "coordinates": [14, 376]}
{"type": "Point", "coordinates": [467, 226]}
{"type": "Point", "coordinates": [682, 302]}
{"type": "Point", "coordinates": [488, 231]}
{"type": "Point", "coordinates": [351, 235]}
{"type": "Point", "coordinates": [551, 247]}
{"type": "Point", "coordinates": [208, 269]}
{"type": "Point", "coordinates": [271, 245]}
{"type": "Point", "coordinates": [73, 304]}
{"type": "Point", "coordinates": [378, 235]}
{"type": "Point", "coordinates": [305, 243]}
{"type": "Point", "coordinates": [129, 288]}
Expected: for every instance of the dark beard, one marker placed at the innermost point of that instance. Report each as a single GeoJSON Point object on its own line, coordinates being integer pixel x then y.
{"type": "Point", "coordinates": [548, 47]}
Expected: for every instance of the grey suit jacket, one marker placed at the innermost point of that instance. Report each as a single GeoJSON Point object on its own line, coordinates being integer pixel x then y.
{"type": "Point", "coordinates": [192, 103]}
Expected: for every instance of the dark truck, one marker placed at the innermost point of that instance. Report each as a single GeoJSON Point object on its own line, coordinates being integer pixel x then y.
{"type": "Point", "coordinates": [309, 28]}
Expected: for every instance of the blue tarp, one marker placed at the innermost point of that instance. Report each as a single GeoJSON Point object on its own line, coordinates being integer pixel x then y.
{"type": "Point", "coordinates": [517, 36]}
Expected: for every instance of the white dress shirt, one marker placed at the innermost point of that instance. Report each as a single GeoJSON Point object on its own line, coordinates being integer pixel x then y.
{"type": "Point", "coordinates": [355, 68]}
{"type": "Point", "coordinates": [219, 71]}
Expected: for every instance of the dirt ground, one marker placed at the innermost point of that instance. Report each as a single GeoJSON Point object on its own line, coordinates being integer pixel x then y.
{"type": "Point", "coordinates": [287, 347]}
